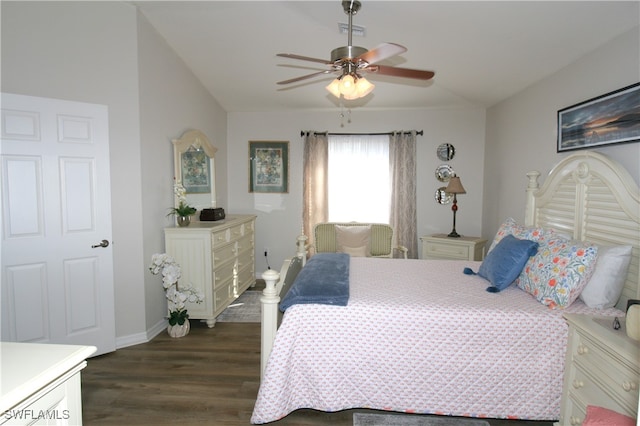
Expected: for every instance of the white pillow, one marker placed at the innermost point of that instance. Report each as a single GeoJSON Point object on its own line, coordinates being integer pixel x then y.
{"type": "Point", "coordinates": [353, 240]}
{"type": "Point", "coordinates": [605, 285]}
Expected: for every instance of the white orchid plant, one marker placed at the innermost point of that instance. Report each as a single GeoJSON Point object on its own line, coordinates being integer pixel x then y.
{"type": "Point", "coordinates": [182, 209]}
{"type": "Point", "coordinates": [176, 296]}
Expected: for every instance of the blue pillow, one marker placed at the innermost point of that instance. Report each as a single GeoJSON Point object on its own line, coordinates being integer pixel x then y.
{"type": "Point", "coordinates": [504, 263]}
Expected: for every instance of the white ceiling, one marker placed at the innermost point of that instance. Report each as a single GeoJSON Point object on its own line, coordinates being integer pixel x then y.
{"type": "Point", "coordinates": [482, 52]}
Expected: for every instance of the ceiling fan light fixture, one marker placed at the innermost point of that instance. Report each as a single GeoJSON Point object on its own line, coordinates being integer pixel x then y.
{"type": "Point", "coordinates": [350, 87]}
{"type": "Point", "coordinates": [347, 85]}
{"type": "Point", "coordinates": [364, 87]}
{"type": "Point", "coordinates": [334, 88]}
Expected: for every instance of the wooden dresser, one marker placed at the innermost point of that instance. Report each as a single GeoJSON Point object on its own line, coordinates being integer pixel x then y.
{"type": "Point", "coordinates": [601, 369]}
{"type": "Point", "coordinates": [216, 258]}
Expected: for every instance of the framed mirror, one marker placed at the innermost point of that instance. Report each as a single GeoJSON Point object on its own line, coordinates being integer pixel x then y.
{"type": "Point", "coordinates": [194, 168]}
{"type": "Point", "coordinates": [446, 152]}
{"type": "Point", "coordinates": [441, 196]}
{"type": "Point", "coordinates": [444, 172]}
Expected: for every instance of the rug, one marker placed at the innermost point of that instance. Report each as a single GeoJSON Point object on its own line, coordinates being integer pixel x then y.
{"type": "Point", "coordinates": [246, 308]}
{"type": "Point", "coordinates": [371, 419]}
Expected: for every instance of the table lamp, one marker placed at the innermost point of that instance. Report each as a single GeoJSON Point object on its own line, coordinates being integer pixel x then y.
{"type": "Point", "coordinates": [455, 187]}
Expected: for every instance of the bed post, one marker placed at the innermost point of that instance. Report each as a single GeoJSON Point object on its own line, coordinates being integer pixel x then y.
{"type": "Point", "coordinates": [532, 187]}
{"type": "Point", "coordinates": [269, 300]}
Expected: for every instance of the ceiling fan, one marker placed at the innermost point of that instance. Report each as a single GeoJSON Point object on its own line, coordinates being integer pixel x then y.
{"type": "Point", "coordinates": [351, 62]}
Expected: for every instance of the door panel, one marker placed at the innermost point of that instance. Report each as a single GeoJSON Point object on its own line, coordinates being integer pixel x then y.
{"type": "Point", "coordinates": [56, 287]}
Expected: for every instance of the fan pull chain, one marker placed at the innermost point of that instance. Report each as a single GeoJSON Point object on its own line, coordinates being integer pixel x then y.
{"type": "Point", "coordinates": [342, 115]}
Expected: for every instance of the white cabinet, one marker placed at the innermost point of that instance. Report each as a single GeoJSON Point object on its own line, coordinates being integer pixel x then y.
{"type": "Point", "coordinates": [439, 246]}
{"type": "Point", "coordinates": [40, 383]}
{"type": "Point", "coordinates": [601, 369]}
{"type": "Point", "coordinates": [216, 258]}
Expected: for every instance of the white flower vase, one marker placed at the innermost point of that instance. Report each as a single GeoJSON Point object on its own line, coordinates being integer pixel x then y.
{"type": "Point", "coordinates": [179, 330]}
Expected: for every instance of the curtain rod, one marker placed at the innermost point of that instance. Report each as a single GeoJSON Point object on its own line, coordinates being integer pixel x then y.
{"type": "Point", "coordinates": [418, 132]}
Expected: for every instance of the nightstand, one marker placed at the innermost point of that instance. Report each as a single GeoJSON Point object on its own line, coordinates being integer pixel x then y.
{"type": "Point", "coordinates": [601, 368]}
{"type": "Point", "coordinates": [439, 246]}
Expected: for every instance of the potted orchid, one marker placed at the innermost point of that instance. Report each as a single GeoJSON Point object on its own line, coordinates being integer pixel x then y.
{"type": "Point", "coordinates": [183, 211]}
{"type": "Point", "coordinates": [176, 295]}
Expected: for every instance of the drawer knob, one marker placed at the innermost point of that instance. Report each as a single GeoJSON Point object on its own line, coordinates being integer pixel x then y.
{"type": "Point", "coordinates": [629, 386]}
{"type": "Point", "coordinates": [582, 350]}
{"type": "Point", "coordinates": [575, 421]}
{"type": "Point", "coordinates": [577, 384]}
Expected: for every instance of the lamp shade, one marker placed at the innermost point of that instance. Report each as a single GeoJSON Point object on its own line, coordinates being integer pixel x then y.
{"type": "Point", "coordinates": [455, 186]}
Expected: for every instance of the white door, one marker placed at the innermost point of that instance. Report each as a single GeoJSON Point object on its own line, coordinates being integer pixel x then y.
{"type": "Point", "coordinates": [57, 274]}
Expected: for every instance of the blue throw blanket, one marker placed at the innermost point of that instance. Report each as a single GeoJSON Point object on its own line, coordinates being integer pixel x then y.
{"type": "Point", "coordinates": [323, 280]}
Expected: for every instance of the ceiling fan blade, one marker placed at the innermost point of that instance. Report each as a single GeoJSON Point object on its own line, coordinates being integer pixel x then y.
{"type": "Point", "coordinates": [384, 51]}
{"type": "Point", "coordinates": [304, 77]}
{"type": "Point", "coordinates": [401, 72]}
{"type": "Point", "coordinates": [303, 58]}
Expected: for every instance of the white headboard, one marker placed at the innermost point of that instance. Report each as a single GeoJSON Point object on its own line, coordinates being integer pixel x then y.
{"type": "Point", "coordinates": [592, 198]}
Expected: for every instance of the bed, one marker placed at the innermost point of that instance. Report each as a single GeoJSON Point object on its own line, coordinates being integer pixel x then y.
{"type": "Point", "coordinates": [421, 336]}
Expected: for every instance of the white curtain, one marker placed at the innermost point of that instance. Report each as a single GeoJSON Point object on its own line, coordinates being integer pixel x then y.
{"type": "Point", "coordinates": [359, 187]}
{"type": "Point", "coordinates": [315, 163]}
{"type": "Point", "coordinates": [402, 164]}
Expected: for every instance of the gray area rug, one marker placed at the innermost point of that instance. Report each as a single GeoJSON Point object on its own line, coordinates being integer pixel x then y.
{"type": "Point", "coordinates": [371, 419]}
{"type": "Point", "coordinates": [246, 308]}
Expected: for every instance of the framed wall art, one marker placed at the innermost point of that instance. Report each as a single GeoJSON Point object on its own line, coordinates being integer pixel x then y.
{"type": "Point", "coordinates": [269, 166]}
{"type": "Point", "coordinates": [196, 171]}
{"type": "Point", "coordinates": [607, 119]}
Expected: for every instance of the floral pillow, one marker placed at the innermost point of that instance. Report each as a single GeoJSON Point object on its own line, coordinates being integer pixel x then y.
{"type": "Point", "coordinates": [556, 275]}
{"type": "Point", "coordinates": [511, 227]}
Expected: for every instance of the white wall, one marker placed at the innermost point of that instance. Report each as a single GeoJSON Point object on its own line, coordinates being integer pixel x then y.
{"type": "Point", "coordinates": [102, 52]}
{"type": "Point", "coordinates": [521, 131]}
{"type": "Point", "coordinates": [87, 52]}
{"type": "Point", "coordinates": [172, 101]}
{"type": "Point", "coordinates": [280, 215]}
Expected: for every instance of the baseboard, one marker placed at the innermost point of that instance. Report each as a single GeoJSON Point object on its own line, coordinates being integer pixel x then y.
{"type": "Point", "coordinates": [138, 338]}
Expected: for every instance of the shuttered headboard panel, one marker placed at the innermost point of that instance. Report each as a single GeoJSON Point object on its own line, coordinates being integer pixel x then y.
{"type": "Point", "coordinates": [590, 198]}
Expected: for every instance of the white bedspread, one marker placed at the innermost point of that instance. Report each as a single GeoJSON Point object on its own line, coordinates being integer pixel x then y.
{"type": "Point", "coordinates": [419, 336]}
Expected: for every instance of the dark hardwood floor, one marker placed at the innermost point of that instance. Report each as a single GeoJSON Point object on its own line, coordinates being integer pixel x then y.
{"type": "Point", "coordinates": [209, 377]}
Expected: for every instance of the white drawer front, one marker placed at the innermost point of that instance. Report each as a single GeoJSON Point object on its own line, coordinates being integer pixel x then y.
{"type": "Point", "coordinates": [220, 238]}
{"type": "Point", "coordinates": [236, 232]}
{"type": "Point", "coordinates": [245, 243]}
{"type": "Point", "coordinates": [622, 381]}
{"type": "Point", "coordinates": [584, 391]}
{"type": "Point", "coordinates": [223, 254]}
{"type": "Point", "coordinates": [223, 274]}
{"type": "Point", "coordinates": [446, 251]}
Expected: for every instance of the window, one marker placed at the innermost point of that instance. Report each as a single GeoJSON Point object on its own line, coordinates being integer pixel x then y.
{"type": "Point", "coordinates": [358, 178]}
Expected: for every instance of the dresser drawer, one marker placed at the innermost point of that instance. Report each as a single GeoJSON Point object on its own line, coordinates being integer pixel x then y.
{"type": "Point", "coordinates": [245, 259]}
{"type": "Point", "coordinates": [574, 412]}
{"type": "Point", "coordinates": [246, 278]}
{"type": "Point", "coordinates": [223, 254]}
{"type": "Point", "coordinates": [440, 246]}
{"type": "Point", "coordinates": [223, 274]}
{"type": "Point", "coordinates": [223, 296]}
{"type": "Point", "coordinates": [585, 390]}
{"type": "Point", "coordinates": [622, 380]}
{"type": "Point", "coordinates": [446, 251]}
{"type": "Point", "coordinates": [236, 232]}
{"type": "Point", "coordinates": [219, 238]}
{"type": "Point", "coordinates": [245, 243]}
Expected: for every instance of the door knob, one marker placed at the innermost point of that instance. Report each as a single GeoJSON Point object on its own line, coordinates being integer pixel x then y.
{"type": "Point", "coordinates": [103, 243]}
